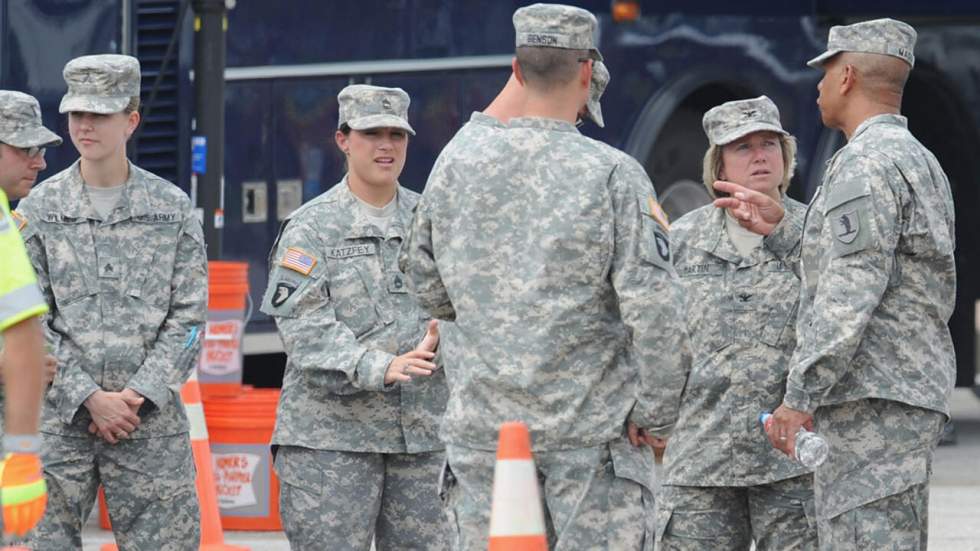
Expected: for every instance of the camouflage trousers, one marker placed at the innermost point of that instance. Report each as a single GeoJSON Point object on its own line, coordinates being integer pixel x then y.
{"type": "Point", "coordinates": [875, 481]}
{"type": "Point", "coordinates": [149, 490]}
{"type": "Point", "coordinates": [594, 498]}
{"type": "Point", "coordinates": [341, 500]}
{"type": "Point", "coordinates": [778, 517]}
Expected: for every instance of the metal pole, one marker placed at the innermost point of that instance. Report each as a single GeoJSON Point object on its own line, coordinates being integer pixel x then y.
{"type": "Point", "coordinates": [210, 24]}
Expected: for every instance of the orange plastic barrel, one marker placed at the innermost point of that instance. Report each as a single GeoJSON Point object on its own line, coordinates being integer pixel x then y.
{"type": "Point", "coordinates": [220, 367]}
{"type": "Point", "coordinates": [240, 428]}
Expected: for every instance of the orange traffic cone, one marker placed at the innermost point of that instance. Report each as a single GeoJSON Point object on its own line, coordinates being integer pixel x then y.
{"type": "Point", "coordinates": [212, 538]}
{"type": "Point", "coordinates": [516, 519]}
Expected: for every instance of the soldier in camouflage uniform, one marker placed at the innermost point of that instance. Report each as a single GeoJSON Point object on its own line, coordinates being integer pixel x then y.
{"type": "Point", "coordinates": [509, 103]}
{"type": "Point", "coordinates": [120, 258]}
{"type": "Point", "coordinates": [874, 363]}
{"type": "Point", "coordinates": [358, 454]}
{"type": "Point", "coordinates": [725, 486]}
{"type": "Point", "coordinates": [550, 254]}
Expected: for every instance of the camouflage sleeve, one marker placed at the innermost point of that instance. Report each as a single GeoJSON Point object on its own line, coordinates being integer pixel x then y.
{"type": "Point", "coordinates": [862, 225]}
{"type": "Point", "coordinates": [784, 241]}
{"type": "Point", "coordinates": [316, 342]}
{"type": "Point", "coordinates": [73, 385]}
{"type": "Point", "coordinates": [650, 300]}
{"type": "Point", "coordinates": [417, 259]}
{"type": "Point", "coordinates": [173, 354]}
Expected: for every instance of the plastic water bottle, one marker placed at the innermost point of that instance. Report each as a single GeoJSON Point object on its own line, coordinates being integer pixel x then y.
{"type": "Point", "coordinates": [811, 448]}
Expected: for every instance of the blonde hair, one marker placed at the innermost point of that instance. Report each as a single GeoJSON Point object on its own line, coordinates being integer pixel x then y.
{"type": "Point", "coordinates": [132, 106]}
{"type": "Point", "coordinates": [712, 165]}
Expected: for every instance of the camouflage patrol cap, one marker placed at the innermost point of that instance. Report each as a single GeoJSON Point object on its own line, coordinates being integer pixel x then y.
{"type": "Point", "coordinates": [20, 122]}
{"type": "Point", "coordinates": [556, 26]}
{"type": "Point", "coordinates": [100, 83]}
{"type": "Point", "coordinates": [363, 106]}
{"type": "Point", "coordinates": [600, 78]}
{"type": "Point", "coordinates": [879, 36]}
{"type": "Point", "coordinates": [730, 121]}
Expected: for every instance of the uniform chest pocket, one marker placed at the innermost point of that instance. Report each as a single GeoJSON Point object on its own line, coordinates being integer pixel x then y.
{"type": "Point", "coordinates": [70, 256]}
{"type": "Point", "coordinates": [781, 298]}
{"type": "Point", "coordinates": [707, 310]}
{"type": "Point", "coordinates": [149, 260]}
{"type": "Point", "coordinates": [357, 285]}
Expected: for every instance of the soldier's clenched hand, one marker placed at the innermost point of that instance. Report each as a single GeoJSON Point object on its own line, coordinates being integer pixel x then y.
{"type": "Point", "coordinates": [786, 422]}
{"type": "Point", "coordinates": [50, 368]}
{"type": "Point", "coordinates": [113, 414]}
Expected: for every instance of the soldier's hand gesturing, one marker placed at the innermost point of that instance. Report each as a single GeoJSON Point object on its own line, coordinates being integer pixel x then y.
{"type": "Point", "coordinates": [113, 414]}
{"type": "Point", "coordinates": [431, 339]}
{"type": "Point", "coordinates": [411, 364]}
{"type": "Point", "coordinates": [755, 211]}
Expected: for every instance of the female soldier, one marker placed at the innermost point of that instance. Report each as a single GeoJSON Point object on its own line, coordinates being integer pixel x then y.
{"type": "Point", "coordinates": [358, 454]}
{"type": "Point", "coordinates": [725, 485]}
{"type": "Point", "coordinates": [120, 258]}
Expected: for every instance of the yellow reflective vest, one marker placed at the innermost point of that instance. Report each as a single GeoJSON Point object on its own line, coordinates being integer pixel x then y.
{"type": "Point", "coordinates": [20, 297]}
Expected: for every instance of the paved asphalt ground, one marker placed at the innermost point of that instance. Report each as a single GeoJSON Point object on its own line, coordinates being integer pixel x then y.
{"type": "Point", "coordinates": [954, 508]}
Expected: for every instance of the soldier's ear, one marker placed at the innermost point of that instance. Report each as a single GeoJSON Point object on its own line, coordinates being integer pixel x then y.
{"type": "Point", "coordinates": [132, 123]}
{"type": "Point", "coordinates": [516, 67]}
{"type": "Point", "coordinates": [848, 79]}
{"type": "Point", "coordinates": [341, 140]}
{"type": "Point", "coordinates": [585, 73]}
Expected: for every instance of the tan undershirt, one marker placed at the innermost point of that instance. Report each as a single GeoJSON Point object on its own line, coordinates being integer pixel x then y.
{"type": "Point", "coordinates": [379, 216]}
{"type": "Point", "coordinates": [744, 240]}
{"type": "Point", "coordinates": [104, 199]}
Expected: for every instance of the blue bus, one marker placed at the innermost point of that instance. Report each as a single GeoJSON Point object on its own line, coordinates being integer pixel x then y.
{"type": "Point", "coordinates": [670, 62]}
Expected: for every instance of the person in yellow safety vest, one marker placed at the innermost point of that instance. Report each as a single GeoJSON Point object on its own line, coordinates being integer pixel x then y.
{"type": "Point", "coordinates": [23, 493]}
{"type": "Point", "coordinates": [22, 148]}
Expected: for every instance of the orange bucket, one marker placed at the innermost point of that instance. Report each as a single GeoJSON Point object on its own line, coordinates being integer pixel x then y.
{"type": "Point", "coordinates": [240, 428]}
{"type": "Point", "coordinates": [220, 367]}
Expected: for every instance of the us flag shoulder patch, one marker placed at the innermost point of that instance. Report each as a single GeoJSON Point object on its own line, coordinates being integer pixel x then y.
{"type": "Point", "coordinates": [19, 219]}
{"type": "Point", "coordinates": [298, 261]}
{"type": "Point", "coordinates": [657, 213]}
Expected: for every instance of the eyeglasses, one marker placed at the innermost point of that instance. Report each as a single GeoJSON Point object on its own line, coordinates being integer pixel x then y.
{"type": "Point", "coordinates": [34, 151]}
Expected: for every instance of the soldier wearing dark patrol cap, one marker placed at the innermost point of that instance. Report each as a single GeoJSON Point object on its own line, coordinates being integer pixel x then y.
{"type": "Point", "coordinates": [874, 364]}
{"type": "Point", "coordinates": [356, 428]}
{"type": "Point", "coordinates": [120, 259]}
{"type": "Point", "coordinates": [546, 248]}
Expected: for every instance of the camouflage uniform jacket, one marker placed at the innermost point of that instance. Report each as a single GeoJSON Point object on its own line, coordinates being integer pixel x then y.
{"type": "Point", "coordinates": [741, 316]}
{"type": "Point", "coordinates": [542, 247]}
{"type": "Point", "coordinates": [342, 324]}
{"type": "Point", "coordinates": [128, 296]}
{"type": "Point", "coordinates": [879, 279]}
